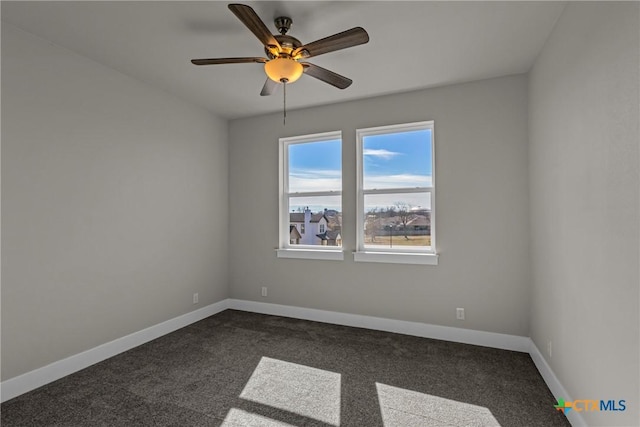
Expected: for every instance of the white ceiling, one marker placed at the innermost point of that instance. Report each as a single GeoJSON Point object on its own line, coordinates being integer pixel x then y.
{"type": "Point", "coordinates": [413, 45]}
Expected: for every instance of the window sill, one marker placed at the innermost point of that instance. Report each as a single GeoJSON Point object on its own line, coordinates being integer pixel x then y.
{"type": "Point", "coordinates": [330, 255]}
{"type": "Point", "coordinates": [396, 257]}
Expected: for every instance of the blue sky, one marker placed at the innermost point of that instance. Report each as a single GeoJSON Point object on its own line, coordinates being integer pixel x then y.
{"type": "Point", "coordinates": [315, 166]}
{"type": "Point", "coordinates": [390, 161]}
{"type": "Point", "coordinates": [397, 160]}
{"type": "Point", "coordinates": [325, 155]}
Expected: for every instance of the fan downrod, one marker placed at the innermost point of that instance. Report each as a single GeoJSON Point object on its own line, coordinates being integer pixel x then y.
{"type": "Point", "coordinates": [283, 24]}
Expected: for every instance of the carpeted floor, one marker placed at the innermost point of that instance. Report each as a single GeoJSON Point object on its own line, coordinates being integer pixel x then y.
{"type": "Point", "coordinates": [246, 369]}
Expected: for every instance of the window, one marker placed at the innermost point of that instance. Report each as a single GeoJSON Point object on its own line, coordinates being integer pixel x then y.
{"type": "Point", "coordinates": [396, 194]}
{"type": "Point", "coordinates": [311, 196]}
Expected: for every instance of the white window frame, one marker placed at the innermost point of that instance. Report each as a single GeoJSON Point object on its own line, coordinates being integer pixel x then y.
{"type": "Point", "coordinates": [404, 254]}
{"type": "Point", "coordinates": [286, 250]}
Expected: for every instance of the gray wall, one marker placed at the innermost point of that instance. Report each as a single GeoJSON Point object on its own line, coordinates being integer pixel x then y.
{"type": "Point", "coordinates": [114, 204]}
{"type": "Point", "coordinates": [584, 204]}
{"type": "Point", "coordinates": [481, 208]}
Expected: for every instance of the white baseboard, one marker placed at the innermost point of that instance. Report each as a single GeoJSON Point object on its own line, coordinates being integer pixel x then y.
{"type": "Point", "coordinates": [557, 389]}
{"type": "Point", "coordinates": [424, 330]}
{"type": "Point", "coordinates": [38, 377]}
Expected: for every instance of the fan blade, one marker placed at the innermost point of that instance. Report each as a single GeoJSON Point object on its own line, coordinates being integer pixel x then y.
{"type": "Point", "coordinates": [253, 22]}
{"type": "Point", "coordinates": [213, 61]}
{"type": "Point", "coordinates": [341, 82]}
{"type": "Point", "coordinates": [270, 87]}
{"type": "Point", "coordinates": [343, 40]}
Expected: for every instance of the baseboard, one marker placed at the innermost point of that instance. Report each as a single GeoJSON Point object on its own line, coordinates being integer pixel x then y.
{"type": "Point", "coordinates": [424, 330]}
{"type": "Point", "coordinates": [557, 389]}
{"type": "Point", "coordinates": [37, 378]}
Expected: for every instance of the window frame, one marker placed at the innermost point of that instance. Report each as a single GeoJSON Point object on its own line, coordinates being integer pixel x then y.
{"type": "Point", "coordinates": [285, 248]}
{"type": "Point", "coordinates": [404, 254]}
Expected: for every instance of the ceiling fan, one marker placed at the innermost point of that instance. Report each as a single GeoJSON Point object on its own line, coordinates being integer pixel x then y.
{"type": "Point", "coordinates": [285, 54]}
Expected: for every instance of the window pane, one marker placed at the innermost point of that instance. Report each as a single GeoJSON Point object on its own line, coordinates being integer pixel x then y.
{"type": "Point", "coordinates": [315, 221]}
{"type": "Point", "coordinates": [315, 166]}
{"type": "Point", "coordinates": [397, 160]}
{"type": "Point", "coordinates": [394, 220]}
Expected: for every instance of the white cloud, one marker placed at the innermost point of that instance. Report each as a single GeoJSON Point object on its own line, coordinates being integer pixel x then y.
{"type": "Point", "coordinates": [397, 181]}
{"type": "Point", "coordinates": [302, 180]}
{"type": "Point", "coordinates": [311, 180]}
{"type": "Point", "coordinates": [316, 173]}
{"type": "Point", "coordinates": [381, 153]}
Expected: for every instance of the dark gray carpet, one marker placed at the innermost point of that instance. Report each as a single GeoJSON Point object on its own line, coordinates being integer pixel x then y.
{"type": "Point", "coordinates": [239, 369]}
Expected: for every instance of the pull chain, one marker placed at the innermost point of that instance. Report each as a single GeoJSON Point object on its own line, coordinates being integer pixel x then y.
{"type": "Point", "coordinates": [284, 102]}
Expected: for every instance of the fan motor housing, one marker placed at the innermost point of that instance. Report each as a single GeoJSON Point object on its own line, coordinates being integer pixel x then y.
{"type": "Point", "coordinates": [288, 42]}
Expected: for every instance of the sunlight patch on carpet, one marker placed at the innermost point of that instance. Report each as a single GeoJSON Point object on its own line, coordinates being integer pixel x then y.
{"type": "Point", "coordinates": [299, 389]}
{"type": "Point", "coordinates": [402, 407]}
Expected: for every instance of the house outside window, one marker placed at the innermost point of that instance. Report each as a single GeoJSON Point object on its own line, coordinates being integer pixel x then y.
{"type": "Point", "coordinates": [311, 196]}
{"type": "Point", "coordinates": [396, 194]}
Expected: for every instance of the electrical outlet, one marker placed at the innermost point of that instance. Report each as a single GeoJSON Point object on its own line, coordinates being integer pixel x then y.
{"type": "Point", "coordinates": [264, 291]}
{"type": "Point", "coordinates": [460, 313]}
{"type": "Point", "coordinates": [549, 349]}
{"type": "Point", "coordinates": [195, 298]}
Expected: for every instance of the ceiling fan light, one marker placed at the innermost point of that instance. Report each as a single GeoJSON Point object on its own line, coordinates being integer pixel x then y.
{"type": "Point", "coordinates": [286, 69]}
